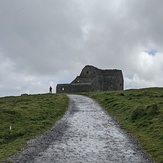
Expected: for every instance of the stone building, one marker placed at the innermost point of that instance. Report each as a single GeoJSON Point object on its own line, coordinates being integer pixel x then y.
{"type": "Point", "coordinates": [93, 79]}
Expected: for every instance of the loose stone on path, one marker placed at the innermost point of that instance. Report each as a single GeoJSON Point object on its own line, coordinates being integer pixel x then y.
{"type": "Point", "coordinates": [86, 134]}
{"type": "Point", "coordinates": [91, 136]}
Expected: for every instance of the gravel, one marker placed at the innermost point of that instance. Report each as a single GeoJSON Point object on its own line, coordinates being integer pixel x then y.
{"type": "Point", "coordinates": [86, 134]}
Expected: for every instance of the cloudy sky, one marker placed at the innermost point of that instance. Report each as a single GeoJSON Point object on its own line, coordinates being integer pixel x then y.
{"type": "Point", "coordinates": [45, 42]}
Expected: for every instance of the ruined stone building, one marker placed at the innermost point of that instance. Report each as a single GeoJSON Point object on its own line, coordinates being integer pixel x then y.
{"type": "Point", "coordinates": [93, 79]}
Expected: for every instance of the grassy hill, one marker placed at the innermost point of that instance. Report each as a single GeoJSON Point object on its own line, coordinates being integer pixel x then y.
{"type": "Point", "coordinates": [140, 112]}
{"type": "Point", "coordinates": [23, 117]}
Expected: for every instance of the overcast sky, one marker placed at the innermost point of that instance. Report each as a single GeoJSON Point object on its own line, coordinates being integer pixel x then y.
{"type": "Point", "coordinates": [45, 42]}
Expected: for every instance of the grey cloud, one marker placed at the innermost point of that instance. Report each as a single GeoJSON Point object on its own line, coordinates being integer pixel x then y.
{"type": "Point", "coordinates": [46, 42]}
{"type": "Point", "coordinates": [40, 34]}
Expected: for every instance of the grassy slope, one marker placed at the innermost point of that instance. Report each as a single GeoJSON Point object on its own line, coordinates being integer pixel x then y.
{"type": "Point", "coordinates": [28, 116]}
{"type": "Point", "coordinates": [140, 112]}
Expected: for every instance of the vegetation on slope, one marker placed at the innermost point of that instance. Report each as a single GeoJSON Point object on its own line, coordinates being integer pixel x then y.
{"type": "Point", "coordinates": [23, 117]}
{"type": "Point", "coordinates": [140, 112]}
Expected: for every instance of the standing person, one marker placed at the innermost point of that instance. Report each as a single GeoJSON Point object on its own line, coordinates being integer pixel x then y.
{"type": "Point", "coordinates": [50, 89]}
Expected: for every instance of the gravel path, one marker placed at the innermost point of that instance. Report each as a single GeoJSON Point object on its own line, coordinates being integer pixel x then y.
{"type": "Point", "coordinates": [86, 134]}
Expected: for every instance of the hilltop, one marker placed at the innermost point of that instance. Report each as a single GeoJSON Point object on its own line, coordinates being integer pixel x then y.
{"type": "Point", "coordinates": [138, 111]}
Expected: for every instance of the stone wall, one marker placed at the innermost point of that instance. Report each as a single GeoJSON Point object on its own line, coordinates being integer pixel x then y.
{"type": "Point", "coordinates": [68, 88]}
{"type": "Point", "coordinates": [93, 79]}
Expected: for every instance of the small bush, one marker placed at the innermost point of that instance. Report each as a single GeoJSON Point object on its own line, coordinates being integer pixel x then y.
{"type": "Point", "coordinates": [149, 111]}
{"type": "Point", "coordinates": [152, 110]}
{"type": "Point", "coordinates": [120, 94]}
{"type": "Point", "coordinates": [137, 113]}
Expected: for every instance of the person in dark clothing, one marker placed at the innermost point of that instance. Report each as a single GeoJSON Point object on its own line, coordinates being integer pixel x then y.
{"type": "Point", "coordinates": [50, 89]}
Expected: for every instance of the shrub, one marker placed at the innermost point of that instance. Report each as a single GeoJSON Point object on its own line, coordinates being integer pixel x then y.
{"type": "Point", "coordinates": [137, 113]}
{"type": "Point", "coordinates": [152, 110]}
{"type": "Point", "coordinates": [120, 94]}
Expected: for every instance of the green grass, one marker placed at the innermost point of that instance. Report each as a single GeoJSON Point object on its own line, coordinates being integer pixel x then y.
{"type": "Point", "coordinates": [140, 112]}
{"type": "Point", "coordinates": [28, 116]}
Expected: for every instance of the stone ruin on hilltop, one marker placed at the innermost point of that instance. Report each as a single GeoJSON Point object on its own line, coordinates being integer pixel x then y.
{"type": "Point", "coordinates": [92, 79]}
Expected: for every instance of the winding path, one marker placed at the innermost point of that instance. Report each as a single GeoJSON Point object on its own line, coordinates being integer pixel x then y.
{"type": "Point", "coordinates": [86, 134]}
